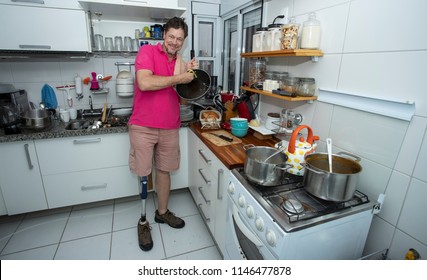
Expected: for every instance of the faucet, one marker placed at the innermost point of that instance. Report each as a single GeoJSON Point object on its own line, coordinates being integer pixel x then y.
{"type": "Point", "coordinates": [91, 104]}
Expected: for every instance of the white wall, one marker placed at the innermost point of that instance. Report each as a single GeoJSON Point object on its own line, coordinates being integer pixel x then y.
{"type": "Point", "coordinates": [376, 48]}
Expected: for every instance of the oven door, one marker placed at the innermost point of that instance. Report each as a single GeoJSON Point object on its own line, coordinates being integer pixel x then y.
{"type": "Point", "coordinates": [241, 242]}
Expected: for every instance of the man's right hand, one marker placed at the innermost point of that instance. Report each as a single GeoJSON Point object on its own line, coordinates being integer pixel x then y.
{"type": "Point", "coordinates": [186, 77]}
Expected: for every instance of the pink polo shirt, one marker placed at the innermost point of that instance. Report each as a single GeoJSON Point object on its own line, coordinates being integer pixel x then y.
{"type": "Point", "coordinates": [157, 108]}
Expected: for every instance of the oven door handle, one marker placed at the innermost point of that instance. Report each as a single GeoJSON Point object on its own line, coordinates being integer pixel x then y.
{"type": "Point", "coordinates": [247, 232]}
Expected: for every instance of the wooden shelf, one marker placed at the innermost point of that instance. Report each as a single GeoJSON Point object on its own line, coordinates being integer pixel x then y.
{"type": "Point", "coordinates": [287, 98]}
{"type": "Point", "coordinates": [298, 52]}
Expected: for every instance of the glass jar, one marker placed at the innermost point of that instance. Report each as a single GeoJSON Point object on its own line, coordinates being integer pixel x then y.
{"type": "Point", "coordinates": [257, 68]}
{"type": "Point", "coordinates": [290, 35]}
{"type": "Point", "coordinates": [310, 35]}
{"type": "Point", "coordinates": [289, 84]}
{"type": "Point", "coordinates": [280, 76]}
{"type": "Point", "coordinates": [306, 87]}
{"type": "Point", "coordinates": [258, 39]}
{"type": "Point", "coordinates": [273, 38]}
{"type": "Point", "coordinates": [269, 75]}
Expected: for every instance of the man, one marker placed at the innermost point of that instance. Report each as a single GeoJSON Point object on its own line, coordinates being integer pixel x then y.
{"type": "Point", "coordinates": [155, 121]}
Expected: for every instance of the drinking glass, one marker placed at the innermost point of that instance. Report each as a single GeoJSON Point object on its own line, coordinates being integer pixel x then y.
{"type": "Point", "coordinates": [127, 44]}
{"type": "Point", "coordinates": [109, 46]}
{"type": "Point", "coordinates": [118, 43]}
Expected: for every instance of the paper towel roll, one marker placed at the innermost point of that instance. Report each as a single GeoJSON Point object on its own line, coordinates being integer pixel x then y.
{"type": "Point", "coordinates": [78, 84]}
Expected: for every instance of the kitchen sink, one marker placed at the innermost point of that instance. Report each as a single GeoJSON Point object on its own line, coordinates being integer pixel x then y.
{"type": "Point", "coordinates": [82, 124]}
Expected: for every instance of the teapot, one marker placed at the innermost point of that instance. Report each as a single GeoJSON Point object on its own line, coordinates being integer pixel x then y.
{"type": "Point", "coordinates": [298, 148]}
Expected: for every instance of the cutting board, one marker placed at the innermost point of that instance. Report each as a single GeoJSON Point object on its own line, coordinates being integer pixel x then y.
{"type": "Point", "coordinates": [218, 141]}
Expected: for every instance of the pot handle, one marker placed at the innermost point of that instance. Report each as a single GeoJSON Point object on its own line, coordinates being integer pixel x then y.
{"type": "Point", "coordinates": [356, 158]}
{"type": "Point", "coordinates": [310, 139]}
{"type": "Point", "coordinates": [248, 146]}
{"type": "Point", "coordinates": [287, 166]}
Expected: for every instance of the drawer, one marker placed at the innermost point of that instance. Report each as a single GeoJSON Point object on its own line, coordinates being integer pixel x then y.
{"type": "Point", "coordinates": [89, 186]}
{"type": "Point", "coordinates": [73, 154]}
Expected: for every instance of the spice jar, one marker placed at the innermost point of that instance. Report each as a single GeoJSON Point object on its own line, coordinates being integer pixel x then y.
{"type": "Point", "coordinates": [306, 87]}
{"type": "Point", "coordinates": [258, 39]}
{"type": "Point", "coordinates": [257, 69]}
{"type": "Point", "coordinates": [289, 84]}
{"type": "Point", "coordinates": [290, 35]}
{"type": "Point", "coordinates": [310, 35]}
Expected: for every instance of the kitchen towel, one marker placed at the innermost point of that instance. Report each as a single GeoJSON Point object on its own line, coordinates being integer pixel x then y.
{"type": "Point", "coordinates": [49, 97]}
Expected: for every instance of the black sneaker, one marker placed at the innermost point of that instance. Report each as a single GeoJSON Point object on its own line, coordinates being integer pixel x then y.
{"type": "Point", "coordinates": [144, 236]}
{"type": "Point", "coordinates": [170, 219]}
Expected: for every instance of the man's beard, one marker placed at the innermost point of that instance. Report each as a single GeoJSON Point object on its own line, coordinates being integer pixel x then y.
{"type": "Point", "coordinates": [169, 52]}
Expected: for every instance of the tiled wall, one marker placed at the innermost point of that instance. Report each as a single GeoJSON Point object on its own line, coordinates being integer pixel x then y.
{"type": "Point", "coordinates": [373, 48]}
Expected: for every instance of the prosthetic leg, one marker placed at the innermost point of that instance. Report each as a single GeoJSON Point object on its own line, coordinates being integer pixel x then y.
{"type": "Point", "coordinates": [144, 230]}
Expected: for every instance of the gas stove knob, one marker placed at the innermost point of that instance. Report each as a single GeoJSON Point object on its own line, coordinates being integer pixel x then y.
{"type": "Point", "coordinates": [241, 201]}
{"type": "Point", "coordinates": [271, 238]}
{"type": "Point", "coordinates": [259, 224]}
{"type": "Point", "coordinates": [231, 188]}
{"type": "Point", "coordinates": [250, 212]}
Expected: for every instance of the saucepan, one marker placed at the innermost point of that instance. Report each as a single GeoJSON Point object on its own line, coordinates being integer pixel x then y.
{"type": "Point", "coordinates": [37, 119]}
{"type": "Point", "coordinates": [197, 88]}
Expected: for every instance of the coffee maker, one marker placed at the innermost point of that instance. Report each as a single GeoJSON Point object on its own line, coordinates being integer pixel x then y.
{"type": "Point", "coordinates": [12, 104]}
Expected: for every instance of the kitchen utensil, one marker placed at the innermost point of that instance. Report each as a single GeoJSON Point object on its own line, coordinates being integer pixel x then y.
{"type": "Point", "coordinates": [264, 173]}
{"type": "Point", "coordinates": [329, 148]}
{"type": "Point", "coordinates": [122, 112]}
{"type": "Point", "coordinates": [109, 112]}
{"type": "Point", "coordinates": [94, 83]}
{"type": "Point", "coordinates": [197, 88]}
{"type": "Point", "coordinates": [104, 113]}
{"type": "Point", "coordinates": [226, 138]}
{"type": "Point", "coordinates": [337, 186]}
{"type": "Point", "coordinates": [124, 84]}
{"type": "Point", "coordinates": [274, 154]}
{"type": "Point", "coordinates": [297, 149]}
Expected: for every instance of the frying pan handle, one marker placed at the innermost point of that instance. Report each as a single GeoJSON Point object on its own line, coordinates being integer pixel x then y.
{"type": "Point", "coordinates": [192, 55]}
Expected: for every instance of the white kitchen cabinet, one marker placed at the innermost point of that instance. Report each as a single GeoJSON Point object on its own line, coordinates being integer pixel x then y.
{"type": "Point", "coordinates": [61, 4]}
{"type": "Point", "coordinates": [85, 169]}
{"type": "Point", "coordinates": [179, 178]}
{"type": "Point", "coordinates": [208, 187]}
{"type": "Point", "coordinates": [20, 179]}
{"type": "Point", "coordinates": [44, 29]}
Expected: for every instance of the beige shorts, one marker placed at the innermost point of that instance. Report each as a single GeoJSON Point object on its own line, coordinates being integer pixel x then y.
{"type": "Point", "coordinates": [148, 145]}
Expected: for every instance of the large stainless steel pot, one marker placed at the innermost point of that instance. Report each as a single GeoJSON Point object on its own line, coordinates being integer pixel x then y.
{"type": "Point", "coordinates": [268, 173]}
{"type": "Point", "coordinates": [37, 118]}
{"type": "Point", "coordinates": [339, 185]}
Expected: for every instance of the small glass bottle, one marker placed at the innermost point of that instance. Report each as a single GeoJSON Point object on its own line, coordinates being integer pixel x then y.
{"type": "Point", "coordinates": [310, 34]}
{"type": "Point", "coordinates": [306, 87]}
{"type": "Point", "coordinates": [257, 68]}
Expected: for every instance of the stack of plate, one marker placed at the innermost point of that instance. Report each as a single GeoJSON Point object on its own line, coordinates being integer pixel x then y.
{"type": "Point", "coordinates": [186, 114]}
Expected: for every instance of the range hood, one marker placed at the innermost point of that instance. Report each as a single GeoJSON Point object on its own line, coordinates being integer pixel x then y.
{"type": "Point", "coordinates": [133, 10]}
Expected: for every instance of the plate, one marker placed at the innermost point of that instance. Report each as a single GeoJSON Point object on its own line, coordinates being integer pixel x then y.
{"type": "Point", "coordinates": [122, 112]}
{"type": "Point", "coordinates": [261, 129]}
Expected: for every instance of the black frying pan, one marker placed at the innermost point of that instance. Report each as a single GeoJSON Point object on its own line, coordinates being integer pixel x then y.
{"type": "Point", "coordinates": [197, 88]}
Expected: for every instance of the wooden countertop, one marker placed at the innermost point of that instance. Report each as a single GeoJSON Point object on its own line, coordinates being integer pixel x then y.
{"type": "Point", "coordinates": [232, 156]}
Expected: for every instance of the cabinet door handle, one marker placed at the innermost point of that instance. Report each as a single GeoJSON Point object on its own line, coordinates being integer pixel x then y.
{"type": "Point", "coordinates": [27, 152]}
{"type": "Point", "coordinates": [93, 187]}
{"type": "Point", "coordinates": [203, 214]}
{"type": "Point", "coordinates": [29, 1]}
{"type": "Point", "coordinates": [208, 161]}
{"type": "Point", "coordinates": [86, 141]}
{"type": "Point", "coordinates": [219, 188]}
{"type": "Point", "coordinates": [38, 47]}
{"type": "Point", "coordinates": [203, 196]}
{"type": "Point", "coordinates": [208, 182]}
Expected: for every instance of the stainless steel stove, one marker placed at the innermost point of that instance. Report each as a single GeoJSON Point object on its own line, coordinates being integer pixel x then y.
{"type": "Point", "coordinates": [286, 222]}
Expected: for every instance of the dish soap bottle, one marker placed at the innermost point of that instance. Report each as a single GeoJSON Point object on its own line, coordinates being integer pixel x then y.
{"type": "Point", "coordinates": [310, 35]}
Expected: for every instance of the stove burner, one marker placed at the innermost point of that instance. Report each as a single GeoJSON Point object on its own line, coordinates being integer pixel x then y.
{"type": "Point", "coordinates": [293, 206]}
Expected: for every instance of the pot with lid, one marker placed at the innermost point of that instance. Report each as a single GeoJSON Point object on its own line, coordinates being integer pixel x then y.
{"type": "Point", "coordinates": [124, 84]}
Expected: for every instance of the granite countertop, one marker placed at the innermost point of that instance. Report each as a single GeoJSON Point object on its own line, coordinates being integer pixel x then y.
{"type": "Point", "coordinates": [57, 130]}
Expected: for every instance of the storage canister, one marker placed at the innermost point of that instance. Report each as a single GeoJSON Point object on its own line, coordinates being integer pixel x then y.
{"type": "Point", "coordinates": [289, 84]}
{"type": "Point", "coordinates": [290, 35]}
{"type": "Point", "coordinates": [306, 87]}
{"type": "Point", "coordinates": [257, 69]}
{"type": "Point", "coordinates": [310, 35]}
{"type": "Point", "coordinates": [273, 38]}
{"type": "Point", "coordinates": [258, 39]}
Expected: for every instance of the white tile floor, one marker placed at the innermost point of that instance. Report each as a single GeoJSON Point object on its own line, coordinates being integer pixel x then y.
{"type": "Point", "coordinates": [106, 231]}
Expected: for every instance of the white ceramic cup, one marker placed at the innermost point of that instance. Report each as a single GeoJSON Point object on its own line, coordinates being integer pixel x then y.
{"type": "Point", "coordinates": [73, 113]}
{"type": "Point", "coordinates": [65, 115]}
